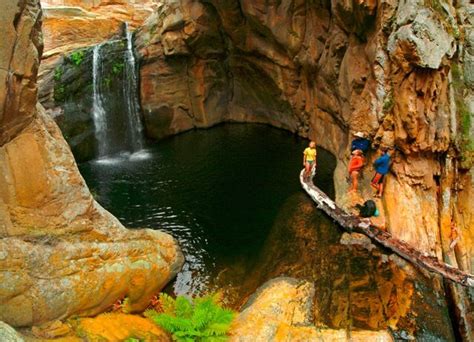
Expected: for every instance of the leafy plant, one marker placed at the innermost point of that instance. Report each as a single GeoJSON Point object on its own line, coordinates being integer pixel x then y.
{"type": "Point", "coordinates": [58, 73]}
{"type": "Point", "coordinates": [77, 57]}
{"type": "Point", "coordinates": [202, 319]}
{"type": "Point", "coordinates": [59, 93]}
{"type": "Point", "coordinates": [117, 68]}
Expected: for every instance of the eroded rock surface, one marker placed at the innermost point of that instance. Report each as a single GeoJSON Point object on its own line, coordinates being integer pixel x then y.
{"type": "Point", "coordinates": [324, 70]}
{"type": "Point", "coordinates": [281, 310]}
{"type": "Point", "coordinates": [61, 254]}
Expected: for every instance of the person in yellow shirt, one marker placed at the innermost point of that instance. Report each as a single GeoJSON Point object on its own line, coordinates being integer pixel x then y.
{"type": "Point", "coordinates": [309, 159]}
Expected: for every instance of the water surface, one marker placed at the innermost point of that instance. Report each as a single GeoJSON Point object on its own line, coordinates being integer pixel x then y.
{"type": "Point", "coordinates": [217, 191]}
{"type": "Point", "coordinates": [231, 196]}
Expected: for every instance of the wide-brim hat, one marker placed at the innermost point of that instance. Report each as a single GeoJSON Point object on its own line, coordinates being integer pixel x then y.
{"type": "Point", "coordinates": [359, 134]}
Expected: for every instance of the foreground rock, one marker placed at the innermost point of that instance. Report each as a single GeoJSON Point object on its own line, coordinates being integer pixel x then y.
{"type": "Point", "coordinates": [119, 327]}
{"type": "Point", "coordinates": [281, 310]}
{"type": "Point", "coordinates": [61, 254]}
{"type": "Point", "coordinates": [8, 334]}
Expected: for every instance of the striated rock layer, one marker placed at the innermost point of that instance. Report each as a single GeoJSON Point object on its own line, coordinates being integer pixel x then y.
{"type": "Point", "coordinates": [400, 71]}
{"type": "Point", "coordinates": [61, 254]}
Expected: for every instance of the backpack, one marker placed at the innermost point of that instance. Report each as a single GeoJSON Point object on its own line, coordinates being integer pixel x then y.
{"type": "Point", "coordinates": [368, 209]}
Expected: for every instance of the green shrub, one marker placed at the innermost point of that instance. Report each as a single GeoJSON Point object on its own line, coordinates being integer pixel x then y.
{"type": "Point", "coordinates": [77, 57]}
{"type": "Point", "coordinates": [201, 319]}
{"type": "Point", "coordinates": [117, 68]}
{"type": "Point", "coordinates": [58, 73]}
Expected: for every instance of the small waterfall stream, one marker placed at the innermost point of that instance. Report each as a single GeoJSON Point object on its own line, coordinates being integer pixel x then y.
{"type": "Point", "coordinates": [116, 131]}
{"type": "Point", "coordinates": [98, 111]}
{"type": "Point", "coordinates": [130, 91]}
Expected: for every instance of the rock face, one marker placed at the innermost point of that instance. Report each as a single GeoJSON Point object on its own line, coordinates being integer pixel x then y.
{"type": "Point", "coordinates": [61, 254]}
{"type": "Point", "coordinates": [69, 25]}
{"type": "Point", "coordinates": [74, 97]}
{"type": "Point", "coordinates": [324, 70]}
{"type": "Point", "coordinates": [356, 286]}
{"type": "Point", "coordinates": [281, 310]}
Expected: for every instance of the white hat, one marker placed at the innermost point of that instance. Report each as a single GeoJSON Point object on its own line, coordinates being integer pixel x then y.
{"type": "Point", "coordinates": [359, 134]}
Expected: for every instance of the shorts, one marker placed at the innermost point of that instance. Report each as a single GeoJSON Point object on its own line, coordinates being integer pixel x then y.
{"type": "Point", "coordinates": [310, 162]}
{"type": "Point", "coordinates": [378, 179]}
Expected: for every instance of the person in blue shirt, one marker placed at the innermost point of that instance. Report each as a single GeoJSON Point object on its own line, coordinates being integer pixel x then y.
{"type": "Point", "coordinates": [360, 143]}
{"type": "Point", "coordinates": [381, 166]}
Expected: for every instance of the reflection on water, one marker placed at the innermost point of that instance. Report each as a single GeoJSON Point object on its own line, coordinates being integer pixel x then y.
{"type": "Point", "coordinates": [217, 191]}
{"type": "Point", "coordinates": [231, 196]}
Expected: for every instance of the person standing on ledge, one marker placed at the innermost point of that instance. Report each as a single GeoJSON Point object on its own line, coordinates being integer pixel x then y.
{"type": "Point", "coordinates": [355, 165]}
{"type": "Point", "coordinates": [309, 159]}
{"type": "Point", "coordinates": [382, 166]}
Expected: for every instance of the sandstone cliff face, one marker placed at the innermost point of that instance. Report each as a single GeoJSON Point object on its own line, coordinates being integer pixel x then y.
{"type": "Point", "coordinates": [69, 25]}
{"type": "Point", "coordinates": [60, 252]}
{"type": "Point", "coordinates": [325, 69]}
{"type": "Point", "coordinates": [400, 71]}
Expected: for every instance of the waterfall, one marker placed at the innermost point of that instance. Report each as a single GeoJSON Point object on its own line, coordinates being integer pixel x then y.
{"type": "Point", "coordinates": [98, 111]}
{"type": "Point", "coordinates": [115, 105]}
{"type": "Point", "coordinates": [130, 90]}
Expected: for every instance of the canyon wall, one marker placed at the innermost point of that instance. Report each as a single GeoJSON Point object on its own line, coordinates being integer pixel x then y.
{"type": "Point", "coordinates": [61, 253]}
{"type": "Point", "coordinates": [400, 71]}
{"type": "Point", "coordinates": [326, 69]}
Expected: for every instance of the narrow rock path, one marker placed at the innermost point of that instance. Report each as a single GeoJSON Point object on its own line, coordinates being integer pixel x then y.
{"type": "Point", "coordinates": [355, 224]}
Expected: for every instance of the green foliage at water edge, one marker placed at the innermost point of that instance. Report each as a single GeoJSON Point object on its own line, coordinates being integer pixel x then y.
{"type": "Point", "coordinates": [77, 57]}
{"type": "Point", "coordinates": [201, 319]}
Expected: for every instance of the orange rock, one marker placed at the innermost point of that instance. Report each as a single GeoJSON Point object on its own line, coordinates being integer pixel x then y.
{"type": "Point", "coordinates": [118, 327]}
{"type": "Point", "coordinates": [61, 253]}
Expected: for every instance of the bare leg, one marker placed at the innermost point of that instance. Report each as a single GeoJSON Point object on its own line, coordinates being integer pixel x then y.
{"type": "Point", "coordinates": [380, 189]}
{"type": "Point", "coordinates": [355, 181]}
{"type": "Point", "coordinates": [307, 171]}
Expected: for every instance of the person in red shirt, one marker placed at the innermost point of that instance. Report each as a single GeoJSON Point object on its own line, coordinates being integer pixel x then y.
{"type": "Point", "coordinates": [355, 165]}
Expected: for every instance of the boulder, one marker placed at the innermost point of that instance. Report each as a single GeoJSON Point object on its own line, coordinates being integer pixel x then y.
{"type": "Point", "coordinates": [61, 253]}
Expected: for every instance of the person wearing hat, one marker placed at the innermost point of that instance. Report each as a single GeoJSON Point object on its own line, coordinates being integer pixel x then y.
{"type": "Point", "coordinates": [355, 166]}
{"type": "Point", "coordinates": [360, 142]}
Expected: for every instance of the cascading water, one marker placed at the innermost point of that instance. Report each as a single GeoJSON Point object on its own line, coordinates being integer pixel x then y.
{"type": "Point", "coordinates": [116, 115]}
{"type": "Point", "coordinates": [130, 90]}
{"type": "Point", "coordinates": [98, 111]}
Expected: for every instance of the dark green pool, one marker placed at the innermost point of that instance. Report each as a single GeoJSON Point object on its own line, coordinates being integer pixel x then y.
{"type": "Point", "coordinates": [217, 191]}
{"type": "Point", "coordinates": [231, 196]}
